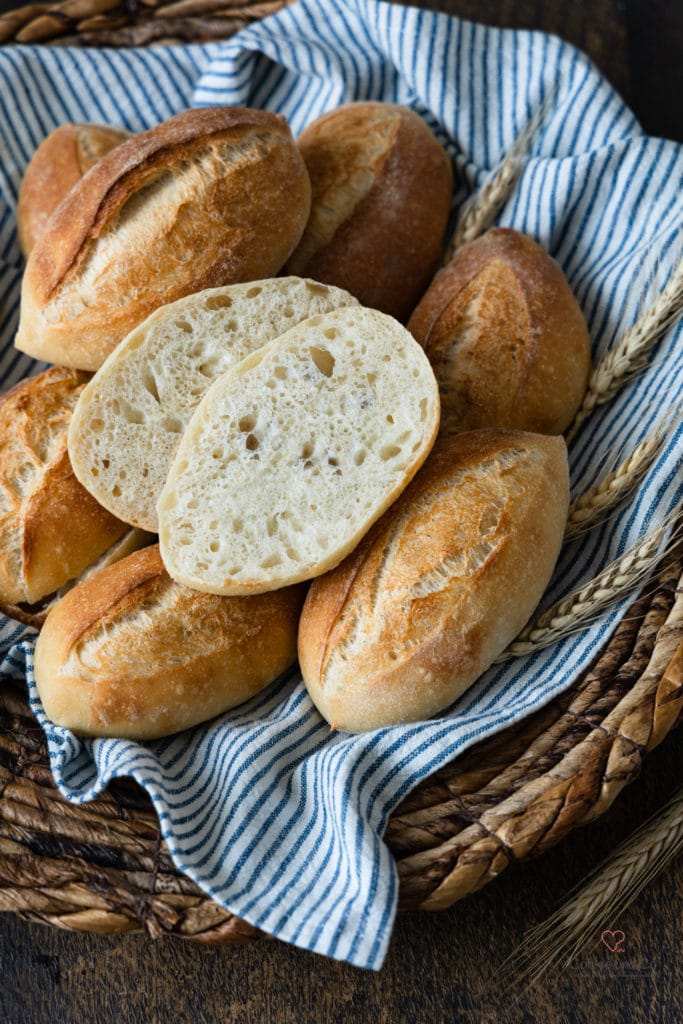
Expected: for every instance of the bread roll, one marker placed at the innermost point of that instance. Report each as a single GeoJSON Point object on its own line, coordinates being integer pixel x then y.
{"type": "Point", "coordinates": [129, 420]}
{"type": "Point", "coordinates": [382, 189]}
{"type": "Point", "coordinates": [35, 614]}
{"type": "Point", "coordinates": [50, 527]}
{"type": "Point", "coordinates": [210, 197]}
{"type": "Point", "coordinates": [506, 337]}
{"type": "Point", "coordinates": [130, 653]}
{"type": "Point", "coordinates": [295, 452]}
{"type": "Point", "coordinates": [441, 585]}
{"type": "Point", "coordinates": [59, 162]}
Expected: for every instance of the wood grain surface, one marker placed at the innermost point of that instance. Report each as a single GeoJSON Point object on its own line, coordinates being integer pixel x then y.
{"type": "Point", "coordinates": [441, 967]}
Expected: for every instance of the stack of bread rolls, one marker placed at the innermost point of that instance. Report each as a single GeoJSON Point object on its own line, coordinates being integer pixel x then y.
{"type": "Point", "coordinates": [276, 430]}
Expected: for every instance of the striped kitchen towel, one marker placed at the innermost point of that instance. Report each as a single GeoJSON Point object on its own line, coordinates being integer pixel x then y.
{"type": "Point", "coordinates": [278, 818]}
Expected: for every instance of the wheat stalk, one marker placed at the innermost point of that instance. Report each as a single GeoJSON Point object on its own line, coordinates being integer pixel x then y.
{"type": "Point", "coordinates": [606, 494]}
{"type": "Point", "coordinates": [629, 357]}
{"type": "Point", "coordinates": [600, 898]}
{"type": "Point", "coordinates": [615, 582]}
{"type": "Point", "coordinates": [480, 211]}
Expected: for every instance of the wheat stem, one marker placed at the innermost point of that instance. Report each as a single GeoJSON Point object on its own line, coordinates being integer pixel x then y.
{"type": "Point", "coordinates": [607, 493]}
{"type": "Point", "coordinates": [629, 357]}
{"type": "Point", "coordinates": [615, 582]}
{"type": "Point", "coordinates": [480, 211]}
{"type": "Point", "coordinates": [606, 892]}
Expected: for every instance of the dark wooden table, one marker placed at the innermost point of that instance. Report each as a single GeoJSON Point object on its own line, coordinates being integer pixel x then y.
{"type": "Point", "coordinates": [440, 968]}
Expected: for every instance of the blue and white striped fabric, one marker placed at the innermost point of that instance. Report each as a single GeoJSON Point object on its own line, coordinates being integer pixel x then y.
{"type": "Point", "coordinates": [275, 816]}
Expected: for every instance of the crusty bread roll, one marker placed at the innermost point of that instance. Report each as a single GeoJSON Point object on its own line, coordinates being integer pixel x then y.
{"type": "Point", "coordinates": [295, 452]}
{"type": "Point", "coordinates": [440, 586]}
{"type": "Point", "coordinates": [50, 527]}
{"type": "Point", "coordinates": [130, 653]}
{"type": "Point", "coordinates": [506, 337]}
{"type": "Point", "coordinates": [381, 195]}
{"type": "Point", "coordinates": [59, 162]}
{"type": "Point", "coordinates": [35, 614]}
{"type": "Point", "coordinates": [129, 420]}
{"type": "Point", "coordinates": [211, 197]}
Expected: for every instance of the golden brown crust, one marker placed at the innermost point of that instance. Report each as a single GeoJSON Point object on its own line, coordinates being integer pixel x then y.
{"type": "Point", "coordinates": [211, 197]}
{"type": "Point", "coordinates": [59, 162]}
{"type": "Point", "coordinates": [506, 337]}
{"type": "Point", "coordinates": [375, 229]}
{"type": "Point", "coordinates": [50, 527]}
{"type": "Point", "coordinates": [131, 653]}
{"type": "Point", "coordinates": [441, 584]}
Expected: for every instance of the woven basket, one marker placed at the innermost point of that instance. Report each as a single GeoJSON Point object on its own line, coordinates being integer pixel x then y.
{"type": "Point", "coordinates": [103, 867]}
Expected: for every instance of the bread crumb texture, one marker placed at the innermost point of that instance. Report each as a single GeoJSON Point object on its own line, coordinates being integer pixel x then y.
{"type": "Point", "coordinates": [129, 421]}
{"type": "Point", "coordinates": [294, 453]}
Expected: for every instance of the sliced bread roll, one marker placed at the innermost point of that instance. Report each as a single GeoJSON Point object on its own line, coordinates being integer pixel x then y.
{"type": "Point", "coordinates": [441, 585]}
{"type": "Point", "coordinates": [506, 337]}
{"type": "Point", "coordinates": [294, 453]}
{"type": "Point", "coordinates": [51, 528]}
{"type": "Point", "coordinates": [59, 162]}
{"type": "Point", "coordinates": [130, 653]}
{"type": "Point", "coordinates": [129, 420]}
{"type": "Point", "coordinates": [210, 197]}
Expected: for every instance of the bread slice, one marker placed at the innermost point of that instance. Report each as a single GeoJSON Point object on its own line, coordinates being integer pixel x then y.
{"type": "Point", "coordinates": [294, 453]}
{"type": "Point", "coordinates": [130, 418]}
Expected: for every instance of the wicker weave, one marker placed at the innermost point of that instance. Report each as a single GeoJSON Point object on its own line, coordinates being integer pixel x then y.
{"type": "Point", "coordinates": [102, 867]}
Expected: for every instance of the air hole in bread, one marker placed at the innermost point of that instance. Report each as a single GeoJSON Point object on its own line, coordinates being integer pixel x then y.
{"type": "Point", "coordinates": [217, 453]}
{"type": "Point", "coordinates": [359, 457]}
{"type": "Point", "coordinates": [193, 503]}
{"type": "Point", "coordinates": [97, 425]}
{"type": "Point", "coordinates": [231, 325]}
{"type": "Point", "coordinates": [116, 491]}
{"type": "Point", "coordinates": [307, 450]}
{"type": "Point", "coordinates": [218, 302]}
{"type": "Point", "coordinates": [247, 424]}
{"type": "Point", "coordinates": [372, 377]}
{"type": "Point", "coordinates": [288, 311]}
{"type": "Point", "coordinates": [332, 461]}
{"type": "Point", "coordinates": [94, 470]}
{"type": "Point", "coordinates": [253, 292]}
{"type": "Point", "coordinates": [280, 372]}
{"type": "Point", "coordinates": [149, 383]}
{"type": "Point", "coordinates": [293, 555]}
{"type": "Point", "coordinates": [237, 525]}
{"type": "Point", "coordinates": [416, 372]}
{"type": "Point", "coordinates": [185, 541]}
{"type": "Point", "coordinates": [317, 289]}
{"type": "Point", "coordinates": [271, 562]}
{"type": "Point", "coordinates": [145, 472]}
{"type": "Point", "coordinates": [214, 546]}
{"type": "Point", "coordinates": [184, 326]}
{"type": "Point", "coordinates": [105, 463]}
{"type": "Point", "coordinates": [132, 415]}
{"type": "Point", "coordinates": [234, 571]}
{"type": "Point", "coordinates": [209, 366]}
{"type": "Point", "coordinates": [271, 526]}
{"type": "Point", "coordinates": [313, 321]}
{"type": "Point", "coordinates": [172, 425]}
{"type": "Point", "coordinates": [389, 451]}
{"type": "Point", "coordinates": [390, 418]}
{"type": "Point", "coordinates": [323, 359]}
{"type": "Point", "coordinates": [423, 409]}
{"type": "Point", "coordinates": [330, 333]}
{"type": "Point", "coordinates": [252, 443]}
{"type": "Point", "coordinates": [122, 474]}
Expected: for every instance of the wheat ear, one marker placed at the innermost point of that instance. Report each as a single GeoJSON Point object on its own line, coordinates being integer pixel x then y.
{"type": "Point", "coordinates": [480, 211]}
{"type": "Point", "coordinates": [615, 582]}
{"type": "Point", "coordinates": [630, 356]}
{"type": "Point", "coordinates": [599, 899]}
{"type": "Point", "coordinates": [606, 494]}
